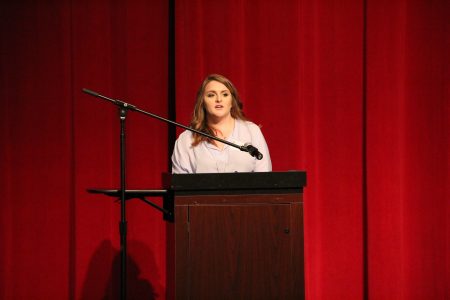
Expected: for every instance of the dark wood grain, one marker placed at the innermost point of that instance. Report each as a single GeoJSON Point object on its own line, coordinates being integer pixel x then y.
{"type": "Point", "coordinates": [242, 248]}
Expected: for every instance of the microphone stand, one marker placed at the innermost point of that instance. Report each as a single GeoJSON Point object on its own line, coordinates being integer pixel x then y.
{"type": "Point", "coordinates": [123, 222]}
{"type": "Point", "coordinates": [123, 109]}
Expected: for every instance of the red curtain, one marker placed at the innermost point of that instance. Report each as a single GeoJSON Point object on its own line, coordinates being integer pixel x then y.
{"type": "Point", "coordinates": [356, 93]}
{"type": "Point", "coordinates": [408, 149]}
{"type": "Point", "coordinates": [58, 241]}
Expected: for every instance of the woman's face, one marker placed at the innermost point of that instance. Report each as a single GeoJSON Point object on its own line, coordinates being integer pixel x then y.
{"type": "Point", "coordinates": [218, 101]}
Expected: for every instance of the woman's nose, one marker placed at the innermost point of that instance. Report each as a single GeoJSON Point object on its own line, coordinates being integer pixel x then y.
{"type": "Point", "coordinates": [219, 98]}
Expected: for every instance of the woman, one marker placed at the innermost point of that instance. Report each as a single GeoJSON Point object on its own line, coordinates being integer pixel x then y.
{"type": "Point", "coordinates": [218, 112]}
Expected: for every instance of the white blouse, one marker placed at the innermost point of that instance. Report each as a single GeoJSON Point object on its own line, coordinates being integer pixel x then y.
{"type": "Point", "coordinates": [207, 158]}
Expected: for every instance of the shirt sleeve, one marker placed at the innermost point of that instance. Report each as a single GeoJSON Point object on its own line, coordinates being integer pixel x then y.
{"type": "Point", "coordinates": [181, 155]}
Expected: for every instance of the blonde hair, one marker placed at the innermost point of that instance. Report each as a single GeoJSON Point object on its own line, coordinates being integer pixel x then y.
{"type": "Point", "coordinates": [199, 117]}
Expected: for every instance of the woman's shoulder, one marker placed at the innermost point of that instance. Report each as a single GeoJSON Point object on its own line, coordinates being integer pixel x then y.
{"type": "Point", "coordinates": [250, 125]}
{"type": "Point", "coordinates": [185, 138]}
{"type": "Point", "coordinates": [185, 135]}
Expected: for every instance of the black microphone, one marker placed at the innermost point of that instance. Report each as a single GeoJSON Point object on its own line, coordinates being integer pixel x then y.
{"type": "Point", "coordinates": [253, 151]}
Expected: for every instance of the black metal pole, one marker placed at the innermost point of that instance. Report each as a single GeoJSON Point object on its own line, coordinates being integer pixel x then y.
{"type": "Point", "coordinates": [123, 220]}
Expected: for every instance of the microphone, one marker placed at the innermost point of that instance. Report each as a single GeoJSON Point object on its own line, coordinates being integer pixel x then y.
{"type": "Point", "coordinates": [253, 151]}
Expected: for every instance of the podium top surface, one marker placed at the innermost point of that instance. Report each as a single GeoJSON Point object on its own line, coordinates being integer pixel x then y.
{"type": "Point", "coordinates": [293, 181]}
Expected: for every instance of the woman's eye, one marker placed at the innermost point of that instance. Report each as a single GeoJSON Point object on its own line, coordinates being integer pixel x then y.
{"type": "Point", "coordinates": [210, 95]}
{"type": "Point", "coordinates": [225, 95]}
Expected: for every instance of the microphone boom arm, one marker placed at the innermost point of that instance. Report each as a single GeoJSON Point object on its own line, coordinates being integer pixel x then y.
{"type": "Point", "coordinates": [253, 151]}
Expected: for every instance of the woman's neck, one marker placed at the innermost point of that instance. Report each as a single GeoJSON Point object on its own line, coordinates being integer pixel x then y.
{"type": "Point", "coordinates": [223, 129]}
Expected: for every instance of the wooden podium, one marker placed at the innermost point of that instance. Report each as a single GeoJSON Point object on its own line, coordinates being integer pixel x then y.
{"type": "Point", "coordinates": [235, 236]}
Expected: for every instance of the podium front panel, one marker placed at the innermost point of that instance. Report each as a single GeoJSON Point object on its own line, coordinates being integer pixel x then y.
{"type": "Point", "coordinates": [236, 246]}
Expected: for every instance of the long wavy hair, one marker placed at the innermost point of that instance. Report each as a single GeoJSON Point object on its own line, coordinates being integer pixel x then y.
{"type": "Point", "coordinates": [199, 117]}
